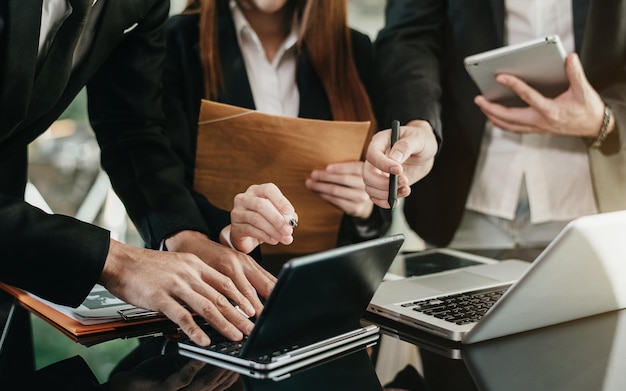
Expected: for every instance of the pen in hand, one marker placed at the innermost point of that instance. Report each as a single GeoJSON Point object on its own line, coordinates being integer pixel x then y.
{"type": "Point", "coordinates": [392, 198]}
{"type": "Point", "coordinates": [291, 220]}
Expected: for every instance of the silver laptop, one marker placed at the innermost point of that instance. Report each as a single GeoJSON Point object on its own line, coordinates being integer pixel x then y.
{"type": "Point", "coordinates": [581, 273]}
{"type": "Point", "coordinates": [315, 307]}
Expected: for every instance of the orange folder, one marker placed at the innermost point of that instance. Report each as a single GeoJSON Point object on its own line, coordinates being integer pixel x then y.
{"type": "Point", "coordinates": [93, 333]}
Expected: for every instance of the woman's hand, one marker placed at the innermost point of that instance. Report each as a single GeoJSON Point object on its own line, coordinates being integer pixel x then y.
{"type": "Point", "coordinates": [262, 214]}
{"type": "Point", "coordinates": [341, 184]}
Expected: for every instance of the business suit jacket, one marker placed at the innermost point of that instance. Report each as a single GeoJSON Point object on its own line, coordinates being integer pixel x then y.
{"type": "Point", "coordinates": [420, 53]}
{"type": "Point", "coordinates": [184, 89]}
{"type": "Point", "coordinates": [54, 256]}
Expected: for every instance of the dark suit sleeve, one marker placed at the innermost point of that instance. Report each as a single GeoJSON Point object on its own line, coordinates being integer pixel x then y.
{"type": "Point", "coordinates": [615, 97]}
{"type": "Point", "coordinates": [604, 61]}
{"type": "Point", "coordinates": [605, 64]}
{"type": "Point", "coordinates": [353, 230]}
{"type": "Point", "coordinates": [53, 256]}
{"type": "Point", "coordinates": [125, 108]}
{"type": "Point", "coordinates": [183, 88]}
{"type": "Point", "coordinates": [409, 56]}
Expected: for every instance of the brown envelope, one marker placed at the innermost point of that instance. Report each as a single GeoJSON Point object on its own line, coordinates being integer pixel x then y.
{"type": "Point", "coordinates": [238, 147]}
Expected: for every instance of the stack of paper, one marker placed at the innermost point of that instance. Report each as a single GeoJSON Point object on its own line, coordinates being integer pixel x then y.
{"type": "Point", "coordinates": [90, 330]}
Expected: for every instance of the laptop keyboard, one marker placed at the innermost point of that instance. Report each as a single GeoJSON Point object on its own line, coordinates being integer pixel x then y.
{"type": "Point", "coordinates": [223, 345]}
{"type": "Point", "coordinates": [462, 308]}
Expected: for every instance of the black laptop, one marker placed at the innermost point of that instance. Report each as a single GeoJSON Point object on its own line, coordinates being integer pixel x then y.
{"type": "Point", "coordinates": [315, 307]}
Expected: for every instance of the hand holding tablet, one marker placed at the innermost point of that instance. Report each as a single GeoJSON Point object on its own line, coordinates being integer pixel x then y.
{"type": "Point", "coordinates": [539, 63]}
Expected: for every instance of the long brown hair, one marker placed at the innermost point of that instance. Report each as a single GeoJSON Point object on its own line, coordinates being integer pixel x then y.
{"type": "Point", "coordinates": [324, 35]}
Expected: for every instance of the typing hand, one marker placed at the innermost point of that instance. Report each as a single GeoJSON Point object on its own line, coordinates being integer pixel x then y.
{"type": "Point", "coordinates": [192, 375]}
{"type": "Point", "coordinates": [262, 214]}
{"type": "Point", "coordinates": [341, 184]}
{"type": "Point", "coordinates": [247, 275]}
{"type": "Point", "coordinates": [411, 158]}
{"type": "Point", "coordinates": [166, 281]}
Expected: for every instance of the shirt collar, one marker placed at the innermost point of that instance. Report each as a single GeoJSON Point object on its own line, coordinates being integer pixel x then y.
{"type": "Point", "coordinates": [244, 29]}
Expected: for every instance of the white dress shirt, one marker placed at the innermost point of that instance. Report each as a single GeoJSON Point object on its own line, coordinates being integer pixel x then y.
{"type": "Point", "coordinates": [555, 168]}
{"type": "Point", "coordinates": [273, 84]}
{"type": "Point", "coordinates": [53, 14]}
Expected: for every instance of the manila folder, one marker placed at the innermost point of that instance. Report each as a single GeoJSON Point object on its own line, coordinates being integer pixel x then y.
{"type": "Point", "coordinates": [239, 147]}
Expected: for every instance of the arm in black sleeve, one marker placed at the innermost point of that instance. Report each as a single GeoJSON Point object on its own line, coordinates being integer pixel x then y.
{"type": "Point", "coordinates": [125, 99]}
{"type": "Point", "coordinates": [409, 51]}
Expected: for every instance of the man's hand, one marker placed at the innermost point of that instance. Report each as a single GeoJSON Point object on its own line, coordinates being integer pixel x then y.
{"type": "Point", "coordinates": [411, 158]}
{"type": "Point", "coordinates": [165, 281]}
{"type": "Point", "coordinates": [246, 274]}
{"type": "Point", "coordinates": [576, 112]}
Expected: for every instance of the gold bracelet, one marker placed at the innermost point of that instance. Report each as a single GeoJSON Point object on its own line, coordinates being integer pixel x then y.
{"type": "Point", "coordinates": [606, 120]}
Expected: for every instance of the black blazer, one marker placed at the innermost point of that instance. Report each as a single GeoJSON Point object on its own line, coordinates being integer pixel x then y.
{"type": "Point", "coordinates": [420, 54]}
{"type": "Point", "coordinates": [184, 88]}
{"type": "Point", "coordinates": [58, 257]}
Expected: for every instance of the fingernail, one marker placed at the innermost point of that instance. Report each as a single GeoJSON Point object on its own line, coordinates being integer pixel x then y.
{"type": "Point", "coordinates": [397, 156]}
{"type": "Point", "coordinates": [237, 335]}
{"type": "Point", "coordinates": [204, 340]}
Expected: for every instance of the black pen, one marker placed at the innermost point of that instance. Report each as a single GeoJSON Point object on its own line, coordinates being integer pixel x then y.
{"type": "Point", "coordinates": [392, 198]}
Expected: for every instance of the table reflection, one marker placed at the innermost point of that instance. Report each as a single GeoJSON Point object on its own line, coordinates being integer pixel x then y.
{"type": "Point", "coordinates": [587, 354]}
{"type": "Point", "coordinates": [170, 372]}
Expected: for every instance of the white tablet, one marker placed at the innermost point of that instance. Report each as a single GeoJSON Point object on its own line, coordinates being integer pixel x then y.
{"type": "Point", "coordinates": [540, 63]}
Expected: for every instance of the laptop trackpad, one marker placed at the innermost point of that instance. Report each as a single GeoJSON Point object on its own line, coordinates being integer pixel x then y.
{"type": "Point", "coordinates": [454, 281]}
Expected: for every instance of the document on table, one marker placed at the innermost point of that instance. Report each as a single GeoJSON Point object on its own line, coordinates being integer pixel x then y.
{"type": "Point", "coordinates": [95, 329]}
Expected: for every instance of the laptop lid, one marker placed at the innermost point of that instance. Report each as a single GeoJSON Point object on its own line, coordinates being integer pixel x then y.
{"type": "Point", "coordinates": [321, 295]}
{"type": "Point", "coordinates": [581, 273]}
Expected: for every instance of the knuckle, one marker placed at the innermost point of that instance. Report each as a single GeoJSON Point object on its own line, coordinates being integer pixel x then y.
{"type": "Point", "coordinates": [188, 372]}
{"type": "Point", "coordinates": [239, 198]}
{"type": "Point", "coordinates": [228, 285]}
{"type": "Point", "coordinates": [207, 309]}
{"type": "Point", "coordinates": [263, 204]}
{"type": "Point", "coordinates": [221, 302]}
{"type": "Point", "coordinates": [193, 331]}
{"type": "Point", "coordinates": [182, 317]}
{"type": "Point", "coordinates": [248, 291]}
